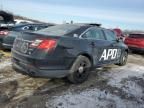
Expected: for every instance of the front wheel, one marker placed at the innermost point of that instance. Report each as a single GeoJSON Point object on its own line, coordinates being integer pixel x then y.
{"type": "Point", "coordinates": [123, 59]}
{"type": "Point", "coordinates": [80, 70]}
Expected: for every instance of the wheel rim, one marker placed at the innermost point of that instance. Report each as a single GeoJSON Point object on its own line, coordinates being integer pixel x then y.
{"type": "Point", "coordinates": [82, 71]}
{"type": "Point", "coordinates": [124, 58]}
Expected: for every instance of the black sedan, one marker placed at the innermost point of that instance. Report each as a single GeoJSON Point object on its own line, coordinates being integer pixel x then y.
{"type": "Point", "coordinates": [8, 36]}
{"type": "Point", "coordinates": [68, 50]}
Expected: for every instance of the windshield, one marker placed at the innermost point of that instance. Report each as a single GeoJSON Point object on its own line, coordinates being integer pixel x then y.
{"type": "Point", "coordinates": [59, 29]}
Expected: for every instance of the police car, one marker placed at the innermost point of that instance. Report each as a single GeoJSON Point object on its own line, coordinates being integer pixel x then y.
{"type": "Point", "coordinates": [67, 50]}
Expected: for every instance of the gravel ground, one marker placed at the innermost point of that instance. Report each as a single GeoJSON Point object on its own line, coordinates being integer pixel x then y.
{"type": "Point", "coordinates": [109, 87]}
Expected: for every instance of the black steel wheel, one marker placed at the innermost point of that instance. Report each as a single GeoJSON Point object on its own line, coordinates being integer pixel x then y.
{"type": "Point", "coordinates": [123, 59]}
{"type": "Point", "coordinates": [80, 70]}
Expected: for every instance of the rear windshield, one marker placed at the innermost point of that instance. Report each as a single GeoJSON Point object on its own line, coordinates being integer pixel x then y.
{"type": "Point", "coordinates": [136, 35]}
{"type": "Point", "coordinates": [59, 30]}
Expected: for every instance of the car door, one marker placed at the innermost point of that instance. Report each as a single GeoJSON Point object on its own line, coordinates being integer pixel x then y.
{"type": "Point", "coordinates": [113, 51]}
{"type": "Point", "coordinates": [97, 42]}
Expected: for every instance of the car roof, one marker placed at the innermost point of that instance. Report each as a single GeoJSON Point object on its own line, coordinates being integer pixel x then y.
{"type": "Point", "coordinates": [141, 33]}
{"type": "Point", "coordinates": [87, 24]}
{"type": "Point", "coordinates": [84, 25]}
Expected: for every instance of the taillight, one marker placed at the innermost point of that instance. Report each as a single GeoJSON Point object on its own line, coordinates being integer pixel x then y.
{"type": "Point", "coordinates": [4, 33]}
{"type": "Point", "coordinates": [44, 44]}
{"type": "Point", "coordinates": [35, 43]}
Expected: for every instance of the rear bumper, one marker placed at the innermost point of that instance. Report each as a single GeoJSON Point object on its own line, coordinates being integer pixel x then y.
{"type": "Point", "coordinates": [35, 72]}
{"type": "Point", "coordinates": [8, 42]}
{"type": "Point", "coordinates": [48, 67]}
{"type": "Point", "coordinates": [7, 46]}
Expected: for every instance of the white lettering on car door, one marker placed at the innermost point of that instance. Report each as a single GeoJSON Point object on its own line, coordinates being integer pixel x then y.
{"type": "Point", "coordinates": [110, 54]}
{"type": "Point", "coordinates": [103, 55]}
{"type": "Point", "coordinates": [114, 55]}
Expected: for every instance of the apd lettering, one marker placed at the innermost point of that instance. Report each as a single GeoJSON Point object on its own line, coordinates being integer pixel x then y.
{"type": "Point", "coordinates": [109, 54]}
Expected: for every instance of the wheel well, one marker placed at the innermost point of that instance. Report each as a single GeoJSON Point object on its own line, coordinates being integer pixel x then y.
{"type": "Point", "coordinates": [88, 56]}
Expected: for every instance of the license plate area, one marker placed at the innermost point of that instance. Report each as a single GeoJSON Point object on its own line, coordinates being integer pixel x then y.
{"type": "Point", "coordinates": [22, 46]}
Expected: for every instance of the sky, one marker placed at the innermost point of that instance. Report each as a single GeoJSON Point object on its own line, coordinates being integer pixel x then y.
{"type": "Point", "coordinates": [125, 14]}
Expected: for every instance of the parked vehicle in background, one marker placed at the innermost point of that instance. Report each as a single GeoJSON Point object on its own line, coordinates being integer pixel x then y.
{"type": "Point", "coordinates": [135, 41]}
{"type": "Point", "coordinates": [18, 21]}
{"type": "Point", "coordinates": [6, 21]}
{"type": "Point", "coordinates": [67, 50]}
{"type": "Point", "coordinates": [7, 37]}
{"type": "Point", "coordinates": [119, 33]}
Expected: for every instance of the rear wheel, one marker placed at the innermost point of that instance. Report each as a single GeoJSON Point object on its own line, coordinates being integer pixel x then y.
{"type": "Point", "coordinates": [80, 70]}
{"type": "Point", "coordinates": [123, 59]}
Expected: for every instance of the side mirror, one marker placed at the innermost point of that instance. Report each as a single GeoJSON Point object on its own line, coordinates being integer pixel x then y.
{"type": "Point", "coordinates": [118, 39]}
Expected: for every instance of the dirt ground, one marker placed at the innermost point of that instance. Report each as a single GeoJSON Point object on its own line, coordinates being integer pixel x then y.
{"type": "Point", "coordinates": [108, 87]}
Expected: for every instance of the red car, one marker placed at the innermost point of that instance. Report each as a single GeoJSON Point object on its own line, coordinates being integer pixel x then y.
{"type": "Point", "coordinates": [135, 41]}
{"type": "Point", "coordinates": [119, 33]}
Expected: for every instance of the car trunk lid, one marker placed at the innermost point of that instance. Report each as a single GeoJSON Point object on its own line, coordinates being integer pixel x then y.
{"type": "Point", "coordinates": [28, 42]}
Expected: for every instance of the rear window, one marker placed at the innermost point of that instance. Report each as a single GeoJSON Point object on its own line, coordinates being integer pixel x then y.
{"type": "Point", "coordinates": [59, 30]}
{"type": "Point", "coordinates": [136, 35]}
{"type": "Point", "coordinates": [110, 35]}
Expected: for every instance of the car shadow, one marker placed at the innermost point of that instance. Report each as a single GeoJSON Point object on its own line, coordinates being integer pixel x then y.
{"type": "Point", "coordinates": [137, 53]}
{"type": "Point", "coordinates": [54, 87]}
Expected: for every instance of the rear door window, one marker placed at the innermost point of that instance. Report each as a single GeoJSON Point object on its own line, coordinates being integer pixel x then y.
{"type": "Point", "coordinates": [94, 33]}
{"type": "Point", "coordinates": [110, 35]}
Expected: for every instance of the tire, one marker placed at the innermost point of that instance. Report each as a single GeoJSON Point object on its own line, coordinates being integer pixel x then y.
{"type": "Point", "coordinates": [123, 59]}
{"type": "Point", "coordinates": [80, 70]}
